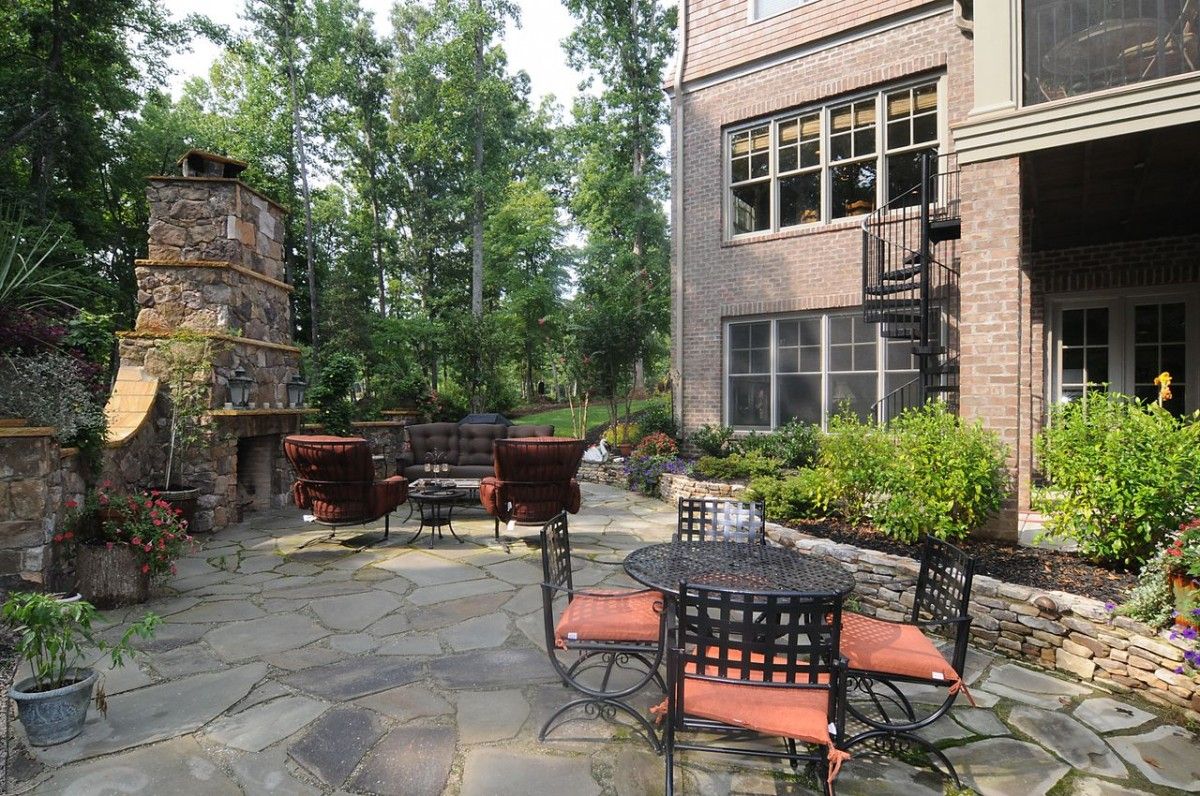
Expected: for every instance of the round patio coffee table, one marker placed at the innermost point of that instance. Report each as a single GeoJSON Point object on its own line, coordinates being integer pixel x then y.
{"type": "Point", "coordinates": [735, 565]}
{"type": "Point", "coordinates": [437, 508]}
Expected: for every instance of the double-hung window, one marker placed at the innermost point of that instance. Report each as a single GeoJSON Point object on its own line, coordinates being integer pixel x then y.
{"type": "Point", "coordinates": [830, 162]}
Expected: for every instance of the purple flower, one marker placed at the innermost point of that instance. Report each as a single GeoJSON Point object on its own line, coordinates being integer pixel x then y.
{"type": "Point", "coordinates": [1189, 633]}
{"type": "Point", "coordinates": [1178, 670]}
{"type": "Point", "coordinates": [1173, 635]}
{"type": "Point", "coordinates": [1196, 612]}
{"type": "Point", "coordinates": [1110, 607]}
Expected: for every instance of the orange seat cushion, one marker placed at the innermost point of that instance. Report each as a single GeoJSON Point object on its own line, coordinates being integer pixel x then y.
{"type": "Point", "coordinates": [800, 713]}
{"type": "Point", "coordinates": [611, 616]}
{"type": "Point", "coordinates": [874, 645]}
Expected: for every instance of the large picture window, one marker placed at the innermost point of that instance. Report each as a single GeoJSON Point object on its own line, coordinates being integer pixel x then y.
{"type": "Point", "coordinates": [831, 162]}
{"type": "Point", "coordinates": [808, 367]}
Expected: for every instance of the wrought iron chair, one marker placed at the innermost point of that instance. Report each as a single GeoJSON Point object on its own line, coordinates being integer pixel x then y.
{"type": "Point", "coordinates": [335, 479]}
{"type": "Point", "coordinates": [720, 519]}
{"type": "Point", "coordinates": [608, 632]}
{"type": "Point", "coordinates": [883, 655]}
{"type": "Point", "coordinates": [748, 664]}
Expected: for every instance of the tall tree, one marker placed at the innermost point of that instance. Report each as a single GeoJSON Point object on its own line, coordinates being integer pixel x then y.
{"type": "Point", "coordinates": [621, 179]}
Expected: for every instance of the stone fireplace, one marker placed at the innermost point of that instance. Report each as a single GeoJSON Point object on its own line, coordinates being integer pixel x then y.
{"type": "Point", "coordinates": [215, 269]}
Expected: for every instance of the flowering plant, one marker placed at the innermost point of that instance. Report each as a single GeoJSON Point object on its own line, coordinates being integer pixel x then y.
{"type": "Point", "coordinates": [656, 444]}
{"type": "Point", "coordinates": [644, 472]}
{"type": "Point", "coordinates": [1183, 555]}
{"type": "Point", "coordinates": [144, 522]}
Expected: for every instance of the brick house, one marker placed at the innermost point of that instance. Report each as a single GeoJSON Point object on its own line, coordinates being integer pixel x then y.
{"type": "Point", "coordinates": [1053, 246]}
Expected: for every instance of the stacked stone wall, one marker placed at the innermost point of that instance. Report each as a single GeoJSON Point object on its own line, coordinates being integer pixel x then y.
{"type": "Point", "coordinates": [673, 487]}
{"type": "Point", "coordinates": [37, 478]}
{"type": "Point", "coordinates": [607, 473]}
{"type": "Point", "coordinates": [1064, 632]}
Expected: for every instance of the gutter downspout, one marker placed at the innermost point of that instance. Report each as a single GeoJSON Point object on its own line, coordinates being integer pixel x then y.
{"type": "Point", "coordinates": [677, 213]}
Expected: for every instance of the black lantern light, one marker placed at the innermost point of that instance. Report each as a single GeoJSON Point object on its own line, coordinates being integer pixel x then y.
{"type": "Point", "coordinates": [239, 388]}
{"type": "Point", "coordinates": [296, 387]}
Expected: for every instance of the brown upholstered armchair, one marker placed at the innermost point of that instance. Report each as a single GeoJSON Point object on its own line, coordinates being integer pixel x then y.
{"type": "Point", "coordinates": [534, 481]}
{"type": "Point", "coordinates": [335, 479]}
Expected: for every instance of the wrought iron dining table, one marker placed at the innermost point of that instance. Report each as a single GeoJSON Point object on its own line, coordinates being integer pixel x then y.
{"type": "Point", "coordinates": [735, 565]}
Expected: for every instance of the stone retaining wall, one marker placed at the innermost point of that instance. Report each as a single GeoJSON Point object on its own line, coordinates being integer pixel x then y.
{"type": "Point", "coordinates": [672, 487]}
{"type": "Point", "coordinates": [37, 478]}
{"type": "Point", "coordinates": [1053, 629]}
{"type": "Point", "coordinates": [608, 473]}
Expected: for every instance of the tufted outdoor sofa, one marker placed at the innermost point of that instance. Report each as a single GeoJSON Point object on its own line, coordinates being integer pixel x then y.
{"type": "Point", "coordinates": [466, 447]}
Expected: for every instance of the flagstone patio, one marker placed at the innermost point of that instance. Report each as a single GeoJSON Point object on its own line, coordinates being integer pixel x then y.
{"type": "Point", "coordinates": [291, 663]}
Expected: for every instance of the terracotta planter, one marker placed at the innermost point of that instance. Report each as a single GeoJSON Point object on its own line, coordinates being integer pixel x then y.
{"type": "Point", "coordinates": [625, 449]}
{"type": "Point", "coordinates": [1186, 590]}
{"type": "Point", "coordinates": [111, 577]}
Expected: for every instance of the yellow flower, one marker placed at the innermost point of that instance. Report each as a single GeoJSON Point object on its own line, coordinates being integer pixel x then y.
{"type": "Point", "coordinates": [1163, 382]}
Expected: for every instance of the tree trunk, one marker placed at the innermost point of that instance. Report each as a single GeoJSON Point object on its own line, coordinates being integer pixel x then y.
{"type": "Point", "coordinates": [477, 212]}
{"type": "Point", "coordinates": [308, 232]}
{"type": "Point", "coordinates": [376, 234]}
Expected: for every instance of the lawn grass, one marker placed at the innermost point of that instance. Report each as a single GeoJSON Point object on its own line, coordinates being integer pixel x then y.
{"type": "Point", "coordinates": [561, 418]}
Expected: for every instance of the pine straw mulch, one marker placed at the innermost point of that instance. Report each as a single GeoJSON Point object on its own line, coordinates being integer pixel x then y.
{"type": "Point", "coordinates": [1039, 568]}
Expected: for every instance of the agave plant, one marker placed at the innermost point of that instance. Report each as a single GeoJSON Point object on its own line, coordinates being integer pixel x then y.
{"type": "Point", "coordinates": [28, 280]}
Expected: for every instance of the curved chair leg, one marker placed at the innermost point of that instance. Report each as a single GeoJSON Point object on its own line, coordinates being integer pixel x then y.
{"type": "Point", "coordinates": [605, 709]}
{"type": "Point", "coordinates": [897, 698]}
{"type": "Point", "coordinates": [891, 741]}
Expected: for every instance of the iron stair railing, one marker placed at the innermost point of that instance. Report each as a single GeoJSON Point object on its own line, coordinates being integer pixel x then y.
{"type": "Point", "coordinates": [907, 287]}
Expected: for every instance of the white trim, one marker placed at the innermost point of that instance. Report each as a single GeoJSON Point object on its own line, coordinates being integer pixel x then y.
{"type": "Point", "coordinates": [806, 50]}
{"type": "Point", "coordinates": [752, 18]}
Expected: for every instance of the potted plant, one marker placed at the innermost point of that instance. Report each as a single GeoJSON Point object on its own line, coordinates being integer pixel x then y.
{"type": "Point", "coordinates": [623, 436]}
{"type": "Point", "coordinates": [1183, 568]}
{"type": "Point", "coordinates": [53, 703]}
{"type": "Point", "coordinates": [120, 543]}
{"type": "Point", "coordinates": [187, 364]}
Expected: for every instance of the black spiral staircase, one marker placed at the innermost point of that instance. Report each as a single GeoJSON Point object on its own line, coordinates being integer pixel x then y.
{"type": "Point", "coordinates": [910, 282]}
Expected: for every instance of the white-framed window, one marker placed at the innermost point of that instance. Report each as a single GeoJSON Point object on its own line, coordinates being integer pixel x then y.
{"type": "Point", "coordinates": [1106, 341]}
{"type": "Point", "coordinates": [806, 366]}
{"type": "Point", "coordinates": [762, 9]}
{"type": "Point", "coordinates": [832, 161]}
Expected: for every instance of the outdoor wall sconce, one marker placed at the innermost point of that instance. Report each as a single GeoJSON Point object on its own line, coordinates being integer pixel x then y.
{"type": "Point", "coordinates": [239, 388]}
{"type": "Point", "coordinates": [296, 388]}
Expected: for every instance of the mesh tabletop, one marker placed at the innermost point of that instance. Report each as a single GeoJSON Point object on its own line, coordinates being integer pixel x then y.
{"type": "Point", "coordinates": [735, 565]}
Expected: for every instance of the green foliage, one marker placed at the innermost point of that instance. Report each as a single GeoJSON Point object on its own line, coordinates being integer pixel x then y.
{"type": "Point", "coordinates": [336, 374]}
{"type": "Point", "coordinates": [658, 418]}
{"type": "Point", "coordinates": [187, 363]}
{"type": "Point", "coordinates": [737, 466]}
{"type": "Point", "coordinates": [54, 636]}
{"type": "Point", "coordinates": [1125, 472]}
{"type": "Point", "coordinates": [1151, 600]}
{"type": "Point", "coordinates": [623, 434]}
{"type": "Point", "coordinates": [945, 477]}
{"type": "Point", "coordinates": [856, 455]}
{"type": "Point", "coordinates": [712, 440]}
{"type": "Point", "coordinates": [92, 334]}
{"type": "Point", "coordinates": [52, 389]}
{"type": "Point", "coordinates": [795, 444]}
{"type": "Point", "coordinates": [30, 277]}
{"type": "Point", "coordinates": [794, 497]}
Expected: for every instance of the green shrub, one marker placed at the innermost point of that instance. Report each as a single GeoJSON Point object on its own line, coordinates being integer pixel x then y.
{"type": "Point", "coordinates": [737, 465]}
{"type": "Point", "coordinates": [331, 393]}
{"type": "Point", "coordinates": [795, 497]}
{"type": "Point", "coordinates": [623, 434]}
{"type": "Point", "coordinates": [855, 456]}
{"type": "Point", "coordinates": [657, 444]}
{"type": "Point", "coordinates": [658, 418]}
{"type": "Point", "coordinates": [796, 444]}
{"type": "Point", "coordinates": [945, 476]}
{"type": "Point", "coordinates": [1125, 473]}
{"type": "Point", "coordinates": [712, 440]}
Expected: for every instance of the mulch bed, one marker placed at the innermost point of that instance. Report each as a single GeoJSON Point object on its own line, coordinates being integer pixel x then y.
{"type": "Point", "coordinates": [1039, 568]}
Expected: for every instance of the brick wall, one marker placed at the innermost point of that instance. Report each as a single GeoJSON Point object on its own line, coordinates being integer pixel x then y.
{"type": "Point", "coordinates": [721, 34]}
{"type": "Point", "coordinates": [815, 267]}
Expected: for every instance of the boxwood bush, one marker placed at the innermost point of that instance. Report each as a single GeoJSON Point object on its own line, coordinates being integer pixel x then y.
{"type": "Point", "coordinates": [737, 466]}
{"type": "Point", "coordinates": [1124, 475]}
{"type": "Point", "coordinates": [794, 497]}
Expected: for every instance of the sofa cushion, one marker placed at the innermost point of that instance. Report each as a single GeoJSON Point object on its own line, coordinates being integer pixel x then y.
{"type": "Point", "coordinates": [530, 430]}
{"type": "Point", "coordinates": [471, 471]}
{"type": "Point", "coordinates": [430, 438]}
{"type": "Point", "coordinates": [475, 442]}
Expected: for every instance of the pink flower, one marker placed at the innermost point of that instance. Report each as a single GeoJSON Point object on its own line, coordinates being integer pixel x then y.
{"type": "Point", "coordinates": [69, 535]}
{"type": "Point", "coordinates": [109, 545]}
{"type": "Point", "coordinates": [137, 540]}
{"type": "Point", "coordinates": [104, 500]}
{"type": "Point", "coordinates": [148, 547]}
{"type": "Point", "coordinates": [145, 568]}
{"type": "Point", "coordinates": [58, 537]}
{"type": "Point", "coordinates": [157, 522]}
{"type": "Point", "coordinates": [173, 570]}
{"type": "Point", "coordinates": [71, 504]}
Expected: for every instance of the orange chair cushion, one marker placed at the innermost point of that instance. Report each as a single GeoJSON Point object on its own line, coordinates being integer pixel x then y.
{"type": "Point", "coordinates": [614, 616]}
{"type": "Point", "coordinates": [800, 713]}
{"type": "Point", "coordinates": [874, 645]}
